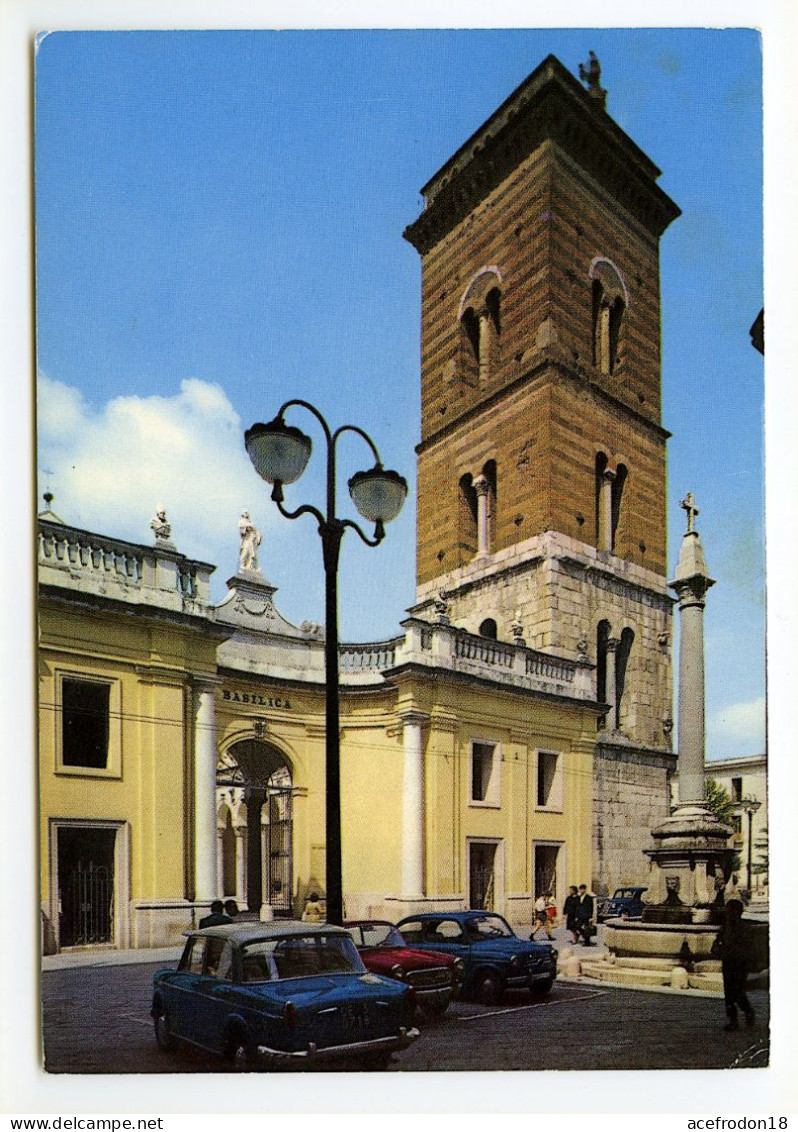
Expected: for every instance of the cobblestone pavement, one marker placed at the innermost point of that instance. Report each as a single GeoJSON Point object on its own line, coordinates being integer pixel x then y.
{"type": "Point", "coordinates": [96, 1021]}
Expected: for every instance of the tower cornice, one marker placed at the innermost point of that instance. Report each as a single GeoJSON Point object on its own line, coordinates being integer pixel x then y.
{"type": "Point", "coordinates": [549, 104]}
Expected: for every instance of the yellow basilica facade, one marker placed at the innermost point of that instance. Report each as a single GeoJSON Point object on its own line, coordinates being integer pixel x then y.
{"type": "Point", "coordinates": [182, 755]}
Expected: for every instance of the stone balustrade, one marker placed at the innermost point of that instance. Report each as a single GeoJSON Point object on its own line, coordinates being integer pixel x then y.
{"type": "Point", "coordinates": [90, 553]}
{"type": "Point", "coordinates": [446, 646]}
{"type": "Point", "coordinates": [373, 657]}
{"type": "Point", "coordinates": [72, 558]}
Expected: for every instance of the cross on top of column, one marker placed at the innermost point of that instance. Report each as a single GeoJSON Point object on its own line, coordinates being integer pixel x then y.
{"type": "Point", "coordinates": [688, 504]}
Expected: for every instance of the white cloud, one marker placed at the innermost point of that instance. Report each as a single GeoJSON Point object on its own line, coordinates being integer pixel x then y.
{"type": "Point", "coordinates": [738, 729]}
{"type": "Point", "coordinates": [109, 469]}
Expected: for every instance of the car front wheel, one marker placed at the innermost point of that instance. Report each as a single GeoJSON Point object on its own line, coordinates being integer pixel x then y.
{"type": "Point", "coordinates": [163, 1031]}
{"type": "Point", "coordinates": [543, 987]}
{"type": "Point", "coordinates": [489, 988]}
{"type": "Point", "coordinates": [238, 1050]}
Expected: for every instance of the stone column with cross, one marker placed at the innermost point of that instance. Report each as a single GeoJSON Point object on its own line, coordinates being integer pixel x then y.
{"type": "Point", "coordinates": [691, 845]}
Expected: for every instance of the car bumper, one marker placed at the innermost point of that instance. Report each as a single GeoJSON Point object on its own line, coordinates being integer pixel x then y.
{"type": "Point", "coordinates": [404, 1038]}
{"type": "Point", "coordinates": [434, 996]}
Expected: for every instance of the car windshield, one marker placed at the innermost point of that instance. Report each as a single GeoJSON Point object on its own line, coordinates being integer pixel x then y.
{"type": "Point", "coordinates": [488, 927]}
{"type": "Point", "coordinates": [376, 935]}
{"type": "Point", "coordinates": [296, 957]}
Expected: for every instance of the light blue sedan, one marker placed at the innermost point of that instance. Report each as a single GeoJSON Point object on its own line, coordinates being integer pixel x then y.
{"type": "Point", "coordinates": [281, 993]}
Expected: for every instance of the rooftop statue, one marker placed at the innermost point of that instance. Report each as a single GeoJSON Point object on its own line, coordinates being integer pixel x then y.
{"type": "Point", "coordinates": [250, 542]}
{"type": "Point", "coordinates": [591, 75]}
{"type": "Point", "coordinates": [160, 526]}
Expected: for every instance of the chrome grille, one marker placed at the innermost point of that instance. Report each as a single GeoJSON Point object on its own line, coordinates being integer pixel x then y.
{"type": "Point", "coordinates": [430, 977]}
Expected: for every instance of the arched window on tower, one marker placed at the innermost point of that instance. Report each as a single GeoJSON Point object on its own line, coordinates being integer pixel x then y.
{"type": "Point", "coordinates": [602, 461]}
{"type": "Point", "coordinates": [616, 494]}
{"type": "Point", "coordinates": [489, 629]}
{"type": "Point", "coordinates": [480, 326]}
{"type": "Point", "coordinates": [466, 518]}
{"type": "Point", "coordinates": [489, 472]}
{"type": "Point", "coordinates": [469, 346]}
{"type": "Point", "coordinates": [621, 661]}
{"type": "Point", "coordinates": [610, 301]}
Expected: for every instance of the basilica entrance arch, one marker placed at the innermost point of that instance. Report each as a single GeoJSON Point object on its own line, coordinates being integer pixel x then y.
{"type": "Point", "coordinates": [255, 826]}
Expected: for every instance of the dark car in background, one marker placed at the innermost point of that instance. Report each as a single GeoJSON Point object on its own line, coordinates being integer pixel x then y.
{"type": "Point", "coordinates": [625, 903]}
{"type": "Point", "coordinates": [281, 993]}
{"type": "Point", "coordinates": [494, 957]}
{"type": "Point", "coordinates": [433, 975]}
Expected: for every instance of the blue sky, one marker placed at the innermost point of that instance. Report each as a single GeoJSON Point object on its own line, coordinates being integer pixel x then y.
{"type": "Point", "coordinates": [219, 219]}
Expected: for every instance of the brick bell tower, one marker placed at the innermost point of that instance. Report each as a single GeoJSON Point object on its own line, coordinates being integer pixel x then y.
{"type": "Point", "coordinates": [541, 466]}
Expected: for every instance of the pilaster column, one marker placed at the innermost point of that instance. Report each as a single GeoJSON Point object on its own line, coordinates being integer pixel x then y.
{"type": "Point", "coordinates": [241, 866]}
{"type": "Point", "coordinates": [413, 805]}
{"type": "Point", "coordinates": [482, 487]}
{"type": "Point", "coordinates": [605, 510]}
{"type": "Point", "coordinates": [220, 892]}
{"type": "Point", "coordinates": [611, 690]}
{"type": "Point", "coordinates": [205, 756]}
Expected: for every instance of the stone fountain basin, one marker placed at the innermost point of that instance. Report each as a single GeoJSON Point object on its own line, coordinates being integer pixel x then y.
{"type": "Point", "coordinates": [659, 941]}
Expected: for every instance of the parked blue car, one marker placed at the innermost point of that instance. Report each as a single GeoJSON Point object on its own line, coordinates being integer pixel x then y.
{"type": "Point", "coordinates": [495, 957]}
{"type": "Point", "coordinates": [625, 902]}
{"type": "Point", "coordinates": [281, 992]}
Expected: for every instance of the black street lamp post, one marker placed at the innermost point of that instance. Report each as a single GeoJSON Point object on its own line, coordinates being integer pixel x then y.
{"type": "Point", "coordinates": [279, 453]}
{"type": "Point", "coordinates": [750, 806]}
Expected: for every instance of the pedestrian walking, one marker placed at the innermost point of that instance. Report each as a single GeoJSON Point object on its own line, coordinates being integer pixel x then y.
{"type": "Point", "coordinates": [541, 917]}
{"type": "Point", "coordinates": [570, 910]}
{"type": "Point", "coordinates": [216, 916]}
{"type": "Point", "coordinates": [733, 947]}
{"type": "Point", "coordinates": [584, 915]}
{"type": "Point", "coordinates": [314, 913]}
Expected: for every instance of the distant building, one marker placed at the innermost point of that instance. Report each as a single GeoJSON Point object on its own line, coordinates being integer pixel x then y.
{"type": "Point", "coordinates": [744, 779]}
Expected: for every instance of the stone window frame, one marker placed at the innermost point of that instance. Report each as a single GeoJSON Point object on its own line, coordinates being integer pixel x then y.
{"type": "Point", "coordinates": [608, 292]}
{"type": "Point", "coordinates": [480, 305]}
{"type": "Point", "coordinates": [113, 767]}
{"type": "Point", "coordinates": [492, 799]}
{"type": "Point", "coordinates": [612, 471]}
{"type": "Point", "coordinates": [556, 795]}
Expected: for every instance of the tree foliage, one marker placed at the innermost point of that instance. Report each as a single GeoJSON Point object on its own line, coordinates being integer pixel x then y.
{"type": "Point", "coordinates": [720, 803]}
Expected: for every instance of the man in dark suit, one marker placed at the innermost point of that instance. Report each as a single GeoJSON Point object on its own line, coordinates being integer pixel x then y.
{"type": "Point", "coordinates": [584, 916]}
{"type": "Point", "coordinates": [571, 912]}
{"type": "Point", "coordinates": [217, 916]}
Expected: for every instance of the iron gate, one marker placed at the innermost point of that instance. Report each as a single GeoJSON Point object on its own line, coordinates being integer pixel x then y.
{"type": "Point", "coordinates": [279, 851]}
{"type": "Point", "coordinates": [87, 906]}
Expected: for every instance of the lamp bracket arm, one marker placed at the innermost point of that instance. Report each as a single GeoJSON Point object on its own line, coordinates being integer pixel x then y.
{"type": "Point", "coordinates": [311, 408]}
{"type": "Point", "coordinates": [364, 435]}
{"type": "Point", "coordinates": [305, 509]}
{"type": "Point", "coordinates": [379, 532]}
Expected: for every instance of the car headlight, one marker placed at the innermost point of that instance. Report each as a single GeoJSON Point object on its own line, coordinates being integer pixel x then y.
{"type": "Point", "coordinates": [459, 967]}
{"type": "Point", "coordinates": [397, 972]}
{"type": "Point", "coordinates": [517, 963]}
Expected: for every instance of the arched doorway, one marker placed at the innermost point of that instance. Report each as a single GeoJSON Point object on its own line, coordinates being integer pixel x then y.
{"type": "Point", "coordinates": [257, 777]}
